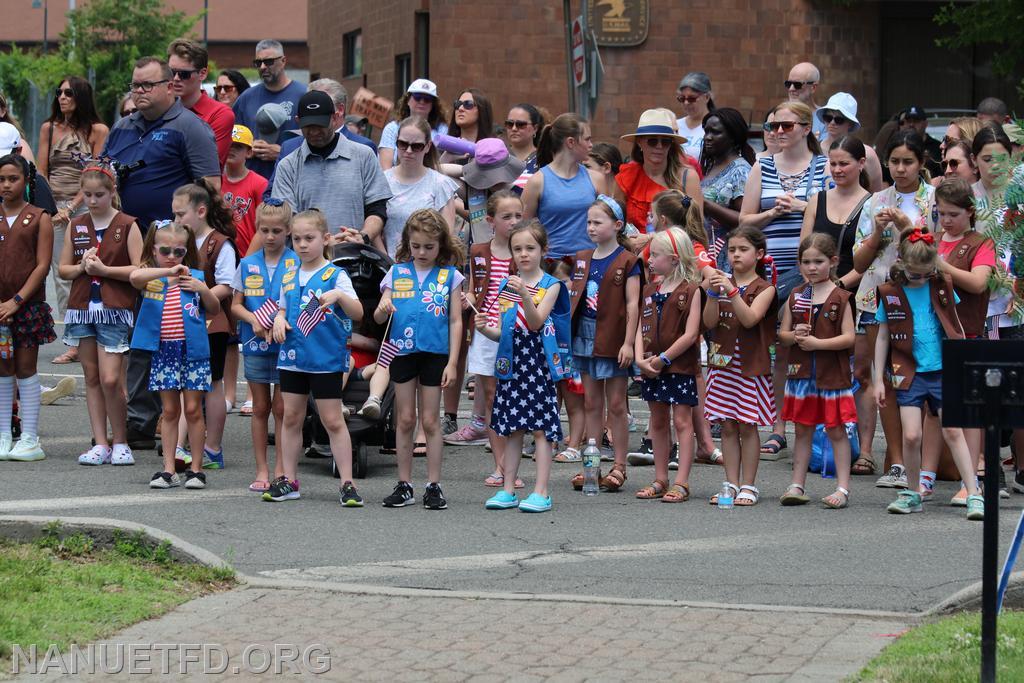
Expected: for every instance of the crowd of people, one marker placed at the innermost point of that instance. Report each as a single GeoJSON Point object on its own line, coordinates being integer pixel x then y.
{"type": "Point", "coordinates": [811, 283]}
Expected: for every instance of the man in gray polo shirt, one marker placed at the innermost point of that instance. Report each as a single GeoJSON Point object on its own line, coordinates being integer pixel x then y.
{"type": "Point", "coordinates": [331, 173]}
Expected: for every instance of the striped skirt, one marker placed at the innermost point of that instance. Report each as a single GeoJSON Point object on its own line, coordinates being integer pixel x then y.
{"type": "Point", "coordinates": [731, 396]}
{"type": "Point", "coordinates": [806, 404]}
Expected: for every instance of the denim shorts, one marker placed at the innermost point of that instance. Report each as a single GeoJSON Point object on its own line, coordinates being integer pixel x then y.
{"type": "Point", "coordinates": [261, 369]}
{"type": "Point", "coordinates": [925, 388]}
{"type": "Point", "coordinates": [111, 337]}
{"type": "Point", "coordinates": [865, 320]}
{"type": "Point", "coordinates": [598, 367]}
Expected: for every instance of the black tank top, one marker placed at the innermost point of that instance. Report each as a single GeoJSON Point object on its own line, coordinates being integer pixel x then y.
{"type": "Point", "coordinates": [823, 224]}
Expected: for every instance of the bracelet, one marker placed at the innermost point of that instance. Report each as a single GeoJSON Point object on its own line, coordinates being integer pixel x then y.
{"type": "Point", "coordinates": [665, 359]}
{"type": "Point", "coordinates": [734, 292]}
{"type": "Point", "coordinates": [712, 294]}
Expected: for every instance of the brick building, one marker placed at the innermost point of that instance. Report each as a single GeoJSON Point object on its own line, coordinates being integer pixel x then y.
{"type": "Point", "coordinates": [516, 51]}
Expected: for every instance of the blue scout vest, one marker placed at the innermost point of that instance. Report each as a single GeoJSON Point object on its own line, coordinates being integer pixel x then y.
{"type": "Point", "coordinates": [146, 335]}
{"type": "Point", "coordinates": [420, 321]}
{"type": "Point", "coordinates": [555, 335]}
{"type": "Point", "coordinates": [326, 347]}
{"type": "Point", "coordinates": [257, 287]}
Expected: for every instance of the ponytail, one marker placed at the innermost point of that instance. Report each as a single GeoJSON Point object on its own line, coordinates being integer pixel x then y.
{"type": "Point", "coordinates": [201, 193]}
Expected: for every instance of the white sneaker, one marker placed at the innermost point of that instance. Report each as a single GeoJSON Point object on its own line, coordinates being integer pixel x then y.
{"type": "Point", "coordinates": [27, 450]}
{"type": "Point", "coordinates": [65, 387]}
{"type": "Point", "coordinates": [6, 442]}
{"type": "Point", "coordinates": [97, 455]}
{"type": "Point", "coordinates": [895, 478]}
{"type": "Point", "coordinates": [122, 455]}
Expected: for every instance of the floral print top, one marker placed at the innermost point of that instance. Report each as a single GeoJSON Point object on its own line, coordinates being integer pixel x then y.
{"type": "Point", "coordinates": [722, 189]}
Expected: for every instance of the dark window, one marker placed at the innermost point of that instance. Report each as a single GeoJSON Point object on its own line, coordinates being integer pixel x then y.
{"type": "Point", "coordinates": [353, 46]}
{"type": "Point", "coordinates": [422, 45]}
{"type": "Point", "coordinates": [403, 74]}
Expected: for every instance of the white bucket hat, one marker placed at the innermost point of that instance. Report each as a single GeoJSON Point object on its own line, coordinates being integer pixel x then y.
{"type": "Point", "coordinates": [845, 104]}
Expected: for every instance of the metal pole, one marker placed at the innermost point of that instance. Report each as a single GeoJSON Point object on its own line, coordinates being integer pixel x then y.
{"type": "Point", "coordinates": [990, 532]}
{"type": "Point", "coordinates": [570, 79]}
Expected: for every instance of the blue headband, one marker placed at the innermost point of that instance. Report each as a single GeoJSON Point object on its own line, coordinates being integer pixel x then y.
{"type": "Point", "coordinates": [613, 205]}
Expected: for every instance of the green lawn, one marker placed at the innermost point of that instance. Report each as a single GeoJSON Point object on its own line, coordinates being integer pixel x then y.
{"type": "Point", "coordinates": [948, 651]}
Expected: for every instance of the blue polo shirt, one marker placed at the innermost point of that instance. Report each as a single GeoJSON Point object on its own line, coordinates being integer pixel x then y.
{"type": "Point", "coordinates": [178, 148]}
{"type": "Point", "coordinates": [293, 142]}
{"type": "Point", "coordinates": [250, 101]}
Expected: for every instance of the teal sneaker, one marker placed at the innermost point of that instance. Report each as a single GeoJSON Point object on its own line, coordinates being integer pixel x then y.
{"type": "Point", "coordinates": [905, 503]}
{"type": "Point", "coordinates": [502, 500]}
{"type": "Point", "coordinates": [975, 508]}
{"type": "Point", "coordinates": [213, 460]}
{"type": "Point", "coordinates": [535, 503]}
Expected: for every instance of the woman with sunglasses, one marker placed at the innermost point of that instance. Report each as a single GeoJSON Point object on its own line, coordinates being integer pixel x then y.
{"type": "Point", "coordinates": [472, 119]}
{"type": "Point", "coordinates": [958, 162]}
{"type": "Point", "coordinates": [839, 116]}
{"type": "Point", "coordinates": [72, 131]}
{"type": "Point", "coordinates": [7, 117]}
{"type": "Point", "coordinates": [694, 94]}
{"type": "Point", "coordinates": [963, 128]}
{"type": "Point", "coordinates": [522, 131]}
{"type": "Point", "coordinates": [230, 84]}
{"type": "Point", "coordinates": [419, 100]}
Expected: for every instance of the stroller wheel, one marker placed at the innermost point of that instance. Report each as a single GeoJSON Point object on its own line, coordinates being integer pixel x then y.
{"type": "Point", "coordinates": [360, 454]}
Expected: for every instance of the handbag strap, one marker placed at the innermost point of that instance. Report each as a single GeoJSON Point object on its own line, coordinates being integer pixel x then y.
{"type": "Point", "coordinates": [849, 219]}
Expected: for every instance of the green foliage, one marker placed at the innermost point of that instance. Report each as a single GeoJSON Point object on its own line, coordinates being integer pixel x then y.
{"type": "Point", "coordinates": [20, 67]}
{"type": "Point", "coordinates": [136, 546]}
{"type": "Point", "coordinates": [992, 22]}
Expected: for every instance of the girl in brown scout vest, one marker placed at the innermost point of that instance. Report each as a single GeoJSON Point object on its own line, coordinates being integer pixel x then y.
{"type": "Point", "coordinates": [817, 325]}
{"type": "Point", "coordinates": [916, 309]}
{"type": "Point", "coordinates": [101, 249]}
{"type": "Point", "coordinates": [669, 357]}
{"type": "Point", "coordinates": [26, 247]}
{"type": "Point", "coordinates": [740, 316]}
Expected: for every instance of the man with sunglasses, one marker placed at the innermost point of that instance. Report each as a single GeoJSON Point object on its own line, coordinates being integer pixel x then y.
{"type": "Point", "coordinates": [801, 85]}
{"type": "Point", "coordinates": [189, 67]}
{"type": "Point", "coordinates": [275, 87]}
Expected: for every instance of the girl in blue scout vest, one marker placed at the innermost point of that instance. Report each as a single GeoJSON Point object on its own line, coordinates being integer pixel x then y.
{"type": "Point", "coordinates": [101, 249]}
{"type": "Point", "coordinates": [313, 361]}
{"type": "Point", "coordinates": [26, 247]}
{"type": "Point", "coordinates": [418, 293]}
{"type": "Point", "coordinates": [533, 356]}
{"type": "Point", "coordinates": [172, 326]}
{"type": "Point", "coordinates": [258, 280]}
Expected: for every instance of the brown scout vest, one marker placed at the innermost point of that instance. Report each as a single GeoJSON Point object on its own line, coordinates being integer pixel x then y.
{"type": "Point", "coordinates": [208, 255]}
{"type": "Point", "coordinates": [611, 296]}
{"type": "Point", "coordinates": [902, 365]}
{"type": "Point", "coordinates": [754, 341]}
{"type": "Point", "coordinates": [657, 334]}
{"type": "Point", "coordinates": [113, 251]}
{"type": "Point", "coordinates": [480, 267]}
{"type": "Point", "coordinates": [831, 368]}
{"type": "Point", "coordinates": [18, 253]}
{"type": "Point", "coordinates": [973, 308]}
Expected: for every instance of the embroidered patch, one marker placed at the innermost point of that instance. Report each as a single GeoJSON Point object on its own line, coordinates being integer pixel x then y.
{"type": "Point", "coordinates": [408, 332]}
{"type": "Point", "coordinates": [794, 368]}
{"type": "Point", "coordinates": [403, 285]}
{"type": "Point", "coordinates": [289, 276]}
{"type": "Point", "coordinates": [154, 286]}
{"type": "Point", "coordinates": [503, 365]}
{"type": "Point", "coordinates": [328, 274]}
{"type": "Point", "coordinates": [254, 282]}
{"type": "Point", "coordinates": [253, 269]}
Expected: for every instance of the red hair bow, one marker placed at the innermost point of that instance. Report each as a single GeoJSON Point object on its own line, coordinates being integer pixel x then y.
{"type": "Point", "coordinates": [919, 235]}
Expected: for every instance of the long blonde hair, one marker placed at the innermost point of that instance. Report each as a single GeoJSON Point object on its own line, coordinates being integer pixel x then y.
{"type": "Point", "coordinates": [675, 242]}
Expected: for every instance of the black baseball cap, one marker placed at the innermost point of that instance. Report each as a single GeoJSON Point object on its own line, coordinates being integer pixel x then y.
{"type": "Point", "coordinates": [315, 109]}
{"type": "Point", "coordinates": [915, 112]}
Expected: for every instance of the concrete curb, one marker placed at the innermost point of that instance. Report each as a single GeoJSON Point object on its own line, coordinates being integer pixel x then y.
{"type": "Point", "coordinates": [970, 598]}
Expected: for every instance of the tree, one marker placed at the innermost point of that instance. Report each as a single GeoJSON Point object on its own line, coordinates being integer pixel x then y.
{"type": "Point", "coordinates": [992, 22]}
{"type": "Point", "coordinates": [19, 69]}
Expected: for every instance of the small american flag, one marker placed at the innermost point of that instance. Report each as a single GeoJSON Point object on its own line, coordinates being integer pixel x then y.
{"type": "Point", "coordinates": [311, 316]}
{"type": "Point", "coordinates": [802, 305]}
{"type": "Point", "coordinates": [504, 294]}
{"type": "Point", "coordinates": [388, 352]}
{"type": "Point", "coordinates": [592, 301]}
{"type": "Point", "coordinates": [265, 314]}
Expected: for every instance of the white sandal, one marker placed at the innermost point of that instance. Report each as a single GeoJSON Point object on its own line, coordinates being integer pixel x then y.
{"type": "Point", "coordinates": [841, 491]}
{"type": "Point", "coordinates": [749, 496]}
{"type": "Point", "coordinates": [735, 491]}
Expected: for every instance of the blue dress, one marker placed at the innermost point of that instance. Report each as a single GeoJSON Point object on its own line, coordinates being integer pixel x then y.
{"type": "Point", "coordinates": [669, 387]}
{"type": "Point", "coordinates": [528, 401]}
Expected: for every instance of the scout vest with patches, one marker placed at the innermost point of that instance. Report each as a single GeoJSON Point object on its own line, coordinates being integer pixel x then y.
{"type": "Point", "coordinates": [420, 321]}
{"type": "Point", "coordinates": [900, 320]}
{"type": "Point", "coordinates": [208, 256]}
{"type": "Point", "coordinates": [556, 334]}
{"type": "Point", "coordinates": [755, 342]}
{"type": "Point", "coordinates": [18, 253]}
{"type": "Point", "coordinates": [257, 287]}
{"type": "Point", "coordinates": [480, 266]}
{"type": "Point", "coordinates": [659, 331]}
{"type": "Point", "coordinates": [611, 299]}
{"type": "Point", "coordinates": [112, 251]}
{"type": "Point", "coordinates": [831, 368]}
{"type": "Point", "coordinates": [146, 336]}
{"type": "Point", "coordinates": [325, 349]}
{"type": "Point", "coordinates": [972, 308]}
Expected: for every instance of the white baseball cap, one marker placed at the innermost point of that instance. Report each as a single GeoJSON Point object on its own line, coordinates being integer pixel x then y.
{"type": "Point", "coordinates": [423, 86]}
{"type": "Point", "coordinates": [10, 138]}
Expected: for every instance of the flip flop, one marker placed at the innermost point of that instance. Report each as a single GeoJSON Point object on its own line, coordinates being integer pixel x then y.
{"type": "Point", "coordinates": [65, 358]}
{"type": "Point", "coordinates": [773, 444]}
{"type": "Point", "coordinates": [259, 486]}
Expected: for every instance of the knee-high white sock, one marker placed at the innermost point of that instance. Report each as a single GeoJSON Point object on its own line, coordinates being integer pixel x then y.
{"type": "Point", "coordinates": [29, 393]}
{"type": "Point", "coordinates": [6, 403]}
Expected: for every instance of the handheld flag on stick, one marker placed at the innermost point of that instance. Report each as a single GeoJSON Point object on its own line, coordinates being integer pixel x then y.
{"type": "Point", "coordinates": [311, 316]}
{"type": "Point", "coordinates": [388, 349]}
{"type": "Point", "coordinates": [265, 314]}
{"type": "Point", "coordinates": [803, 304]}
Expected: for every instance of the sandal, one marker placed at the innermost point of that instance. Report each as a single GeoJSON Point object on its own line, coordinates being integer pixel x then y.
{"type": "Point", "coordinates": [246, 409]}
{"type": "Point", "coordinates": [419, 449]}
{"type": "Point", "coordinates": [829, 500]}
{"type": "Point", "coordinates": [713, 458]}
{"type": "Point", "coordinates": [577, 481]}
{"type": "Point", "coordinates": [570, 454]}
{"type": "Point", "coordinates": [735, 491]}
{"type": "Point", "coordinates": [69, 356]}
{"type": "Point", "coordinates": [863, 466]}
{"type": "Point", "coordinates": [259, 486]}
{"type": "Point", "coordinates": [773, 444]}
{"type": "Point", "coordinates": [615, 478]}
{"type": "Point", "coordinates": [655, 490]}
{"type": "Point", "coordinates": [678, 493]}
{"type": "Point", "coordinates": [497, 480]}
{"type": "Point", "coordinates": [748, 496]}
{"type": "Point", "coordinates": [790, 499]}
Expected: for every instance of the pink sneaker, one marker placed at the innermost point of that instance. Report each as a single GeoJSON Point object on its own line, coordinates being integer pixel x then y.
{"type": "Point", "coordinates": [467, 435]}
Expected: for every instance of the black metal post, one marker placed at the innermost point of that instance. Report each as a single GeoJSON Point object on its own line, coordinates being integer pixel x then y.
{"type": "Point", "coordinates": [990, 533]}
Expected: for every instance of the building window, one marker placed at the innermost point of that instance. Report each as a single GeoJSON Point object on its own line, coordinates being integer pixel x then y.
{"type": "Point", "coordinates": [403, 74]}
{"type": "Point", "coordinates": [353, 46]}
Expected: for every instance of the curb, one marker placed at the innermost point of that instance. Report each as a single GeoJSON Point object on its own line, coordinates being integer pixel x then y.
{"type": "Point", "coordinates": [969, 598]}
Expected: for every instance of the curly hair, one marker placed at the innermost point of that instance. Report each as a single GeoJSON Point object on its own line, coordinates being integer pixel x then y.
{"type": "Point", "coordinates": [432, 225]}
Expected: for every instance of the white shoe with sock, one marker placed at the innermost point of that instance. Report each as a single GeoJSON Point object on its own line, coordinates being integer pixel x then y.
{"type": "Point", "coordinates": [27, 449]}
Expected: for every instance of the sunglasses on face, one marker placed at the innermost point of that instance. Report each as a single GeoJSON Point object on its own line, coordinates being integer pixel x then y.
{"type": "Point", "coordinates": [67, 92]}
{"type": "Point", "coordinates": [420, 97]}
{"type": "Point", "coordinates": [658, 142]}
{"type": "Point", "coordinates": [834, 118]}
{"type": "Point", "coordinates": [264, 62]}
{"type": "Point", "coordinates": [468, 105]}
{"type": "Point", "coordinates": [176, 252]}
{"type": "Point", "coordinates": [688, 99]}
{"type": "Point", "coordinates": [917, 276]}
{"type": "Point", "coordinates": [184, 74]}
{"type": "Point", "coordinates": [798, 85]}
{"type": "Point", "coordinates": [145, 86]}
{"type": "Point", "coordinates": [223, 88]}
{"type": "Point", "coordinates": [951, 164]}
{"type": "Point", "coordinates": [518, 125]}
{"type": "Point", "coordinates": [416, 147]}
{"type": "Point", "coordinates": [780, 126]}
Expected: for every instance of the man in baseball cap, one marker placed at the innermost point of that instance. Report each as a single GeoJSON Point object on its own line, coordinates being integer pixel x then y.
{"type": "Point", "coordinates": [917, 119]}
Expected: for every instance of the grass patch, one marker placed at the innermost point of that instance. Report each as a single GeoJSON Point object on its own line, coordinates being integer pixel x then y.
{"type": "Point", "coordinates": [62, 589]}
{"type": "Point", "coordinates": [949, 651]}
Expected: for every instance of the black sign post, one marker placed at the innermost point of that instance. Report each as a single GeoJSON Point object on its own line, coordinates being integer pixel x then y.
{"type": "Point", "coordinates": [983, 387]}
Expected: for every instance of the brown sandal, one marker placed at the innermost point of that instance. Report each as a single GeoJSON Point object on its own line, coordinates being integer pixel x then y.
{"type": "Point", "coordinates": [678, 493]}
{"type": "Point", "coordinates": [577, 481]}
{"type": "Point", "coordinates": [655, 490]}
{"type": "Point", "coordinates": [615, 478]}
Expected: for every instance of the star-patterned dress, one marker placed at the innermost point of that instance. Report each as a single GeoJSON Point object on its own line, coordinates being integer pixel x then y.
{"type": "Point", "coordinates": [527, 402]}
{"type": "Point", "coordinates": [171, 368]}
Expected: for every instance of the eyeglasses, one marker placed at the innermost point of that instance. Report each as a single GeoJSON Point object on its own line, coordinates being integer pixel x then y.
{"type": "Point", "coordinates": [510, 124]}
{"type": "Point", "coordinates": [781, 126]}
{"type": "Point", "coordinates": [265, 62]}
{"type": "Point", "coordinates": [273, 201]}
{"type": "Point", "coordinates": [420, 97]}
{"type": "Point", "coordinates": [223, 88]}
{"type": "Point", "coordinates": [688, 99]}
{"type": "Point", "coordinates": [834, 118]}
{"type": "Point", "coordinates": [416, 147]}
{"type": "Point", "coordinates": [184, 74]}
{"type": "Point", "coordinates": [951, 164]}
{"type": "Point", "coordinates": [798, 85]}
{"type": "Point", "coordinates": [658, 142]}
{"type": "Point", "coordinates": [176, 252]}
{"type": "Point", "coordinates": [67, 92]}
{"type": "Point", "coordinates": [468, 105]}
{"type": "Point", "coordinates": [145, 86]}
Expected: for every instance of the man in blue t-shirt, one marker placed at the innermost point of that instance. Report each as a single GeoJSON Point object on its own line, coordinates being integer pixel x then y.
{"type": "Point", "coordinates": [276, 88]}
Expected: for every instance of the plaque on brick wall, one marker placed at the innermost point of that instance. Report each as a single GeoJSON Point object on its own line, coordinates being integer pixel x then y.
{"type": "Point", "coordinates": [619, 23]}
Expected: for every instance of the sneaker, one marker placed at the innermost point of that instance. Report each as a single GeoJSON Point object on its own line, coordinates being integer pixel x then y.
{"type": "Point", "coordinates": [926, 494]}
{"type": "Point", "coordinates": [449, 425]}
{"type": "Point", "coordinates": [905, 503]}
{"type": "Point", "coordinates": [27, 450]}
{"type": "Point", "coordinates": [65, 387]}
{"type": "Point", "coordinates": [1003, 491]}
{"type": "Point", "coordinates": [502, 500]}
{"type": "Point", "coordinates": [959, 500]}
{"type": "Point", "coordinates": [182, 459]}
{"type": "Point", "coordinates": [282, 489]}
{"type": "Point", "coordinates": [529, 448]}
{"type": "Point", "coordinates": [401, 496]}
{"type": "Point", "coordinates": [535, 503]}
{"type": "Point", "coordinates": [349, 497]}
{"type": "Point", "coordinates": [468, 435]}
{"type": "Point", "coordinates": [975, 508]}
{"type": "Point", "coordinates": [319, 451]}
{"type": "Point", "coordinates": [1018, 477]}
{"type": "Point", "coordinates": [195, 480]}
{"type": "Point", "coordinates": [139, 441]}
{"type": "Point", "coordinates": [122, 455]}
{"type": "Point", "coordinates": [345, 411]}
{"type": "Point", "coordinates": [644, 456]}
{"type": "Point", "coordinates": [6, 443]}
{"type": "Point", "coordinates": [895, 478]}
{"type": "Point", "coordinates": [673, 457]}
{"type": "Point", "coordinates": [213, 460]}
{"type": "Point", "coordinates": [164, 480]}
{"type": "Point", "coordinates": [371, 408]}
{"type": "Point", "coordinates": [634, 389]}
{"type": "Point", "coordinates": [607, 450]}
{"type": "Point", "coordinates": [633, 423]}
{"type": "Point", "coordinates": [97, 455]}
{"type": "Point", "coordinates": [433, 498]}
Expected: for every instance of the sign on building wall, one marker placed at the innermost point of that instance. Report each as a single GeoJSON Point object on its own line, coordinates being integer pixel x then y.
{"type": "Point", "coordinates": [619, 23]}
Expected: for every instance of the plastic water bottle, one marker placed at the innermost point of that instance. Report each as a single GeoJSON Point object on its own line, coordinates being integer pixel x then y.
{"type": "Point", "coordinates": [6, 343]}
{"type": "Point", "coordinates": [591, 468]}
{"type": "Point", "coordinates": [725, 499]}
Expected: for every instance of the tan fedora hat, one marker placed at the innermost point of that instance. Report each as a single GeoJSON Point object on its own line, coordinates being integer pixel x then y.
{"type": "Point", "coordinates": [656, 123]}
